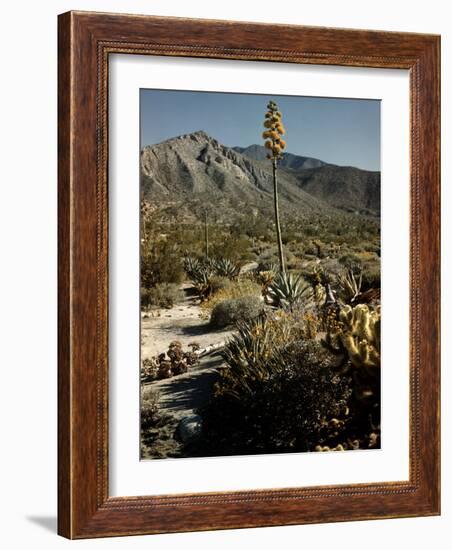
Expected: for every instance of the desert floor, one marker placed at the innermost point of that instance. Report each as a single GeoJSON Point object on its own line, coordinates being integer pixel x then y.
{"type": "Point", "coordinates": [180, 396]}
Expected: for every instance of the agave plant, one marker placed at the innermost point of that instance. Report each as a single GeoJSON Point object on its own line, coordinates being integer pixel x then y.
{"type": "Point", "coordinates": [226, 268]}
{"type": "Point", "coordinates": [273, 135]}
{"type": "Point", "coordinates": [202, 281]}
{"type": "Point", "coordinates": [191, 265]}
{"type": "Point", "coordinates": [247, 351]}
{"type": "Point", "coordinates": [200, 274]}
{"type": "Point", "coordinates": [287, 290]}
{"type": "Point", "coordinates": [350, 286]}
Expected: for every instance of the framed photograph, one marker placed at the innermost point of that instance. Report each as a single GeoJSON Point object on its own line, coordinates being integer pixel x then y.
{"type": "Point", "coordinates": [248, 275]}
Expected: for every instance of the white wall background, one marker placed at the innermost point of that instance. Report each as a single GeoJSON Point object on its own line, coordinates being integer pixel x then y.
{"type": "Point", "coordinates": [28, 125]}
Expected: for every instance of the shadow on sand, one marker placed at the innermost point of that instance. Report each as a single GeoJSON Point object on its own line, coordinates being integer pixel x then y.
{"type": "Point", "coordinates": [190, 392]}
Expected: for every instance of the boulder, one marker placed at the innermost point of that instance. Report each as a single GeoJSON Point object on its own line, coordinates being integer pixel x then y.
{"type": "Point", "coordinates": [189, 428]}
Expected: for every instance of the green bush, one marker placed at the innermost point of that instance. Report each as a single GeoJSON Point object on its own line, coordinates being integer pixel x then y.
{"type": "Point", "coordinates": [295, 403]}
{"type": "Point", "coordinates": [236, 310]}
{"type": "Point", "coordinates": [230, 246]}
{"type": "Point", "coordinates": [161, 262]}
{"type": "Point", "coordinates": [223, 290]}
{"type": "Point", "coordinates": [162, 295]}
{"type": "Point", "coordinates": [350, 260]}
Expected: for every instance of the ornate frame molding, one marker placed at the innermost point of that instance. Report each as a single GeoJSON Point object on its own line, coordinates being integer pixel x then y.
{"type": "Point", "coordinates": [85, 42]}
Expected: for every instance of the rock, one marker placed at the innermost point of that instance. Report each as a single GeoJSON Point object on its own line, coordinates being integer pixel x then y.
{"type": "Point", "coordinates": [189, 428]}
{"type": "Point", "coordinates": [251, 266]}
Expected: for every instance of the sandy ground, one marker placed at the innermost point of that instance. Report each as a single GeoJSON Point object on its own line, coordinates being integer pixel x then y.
{"type": "Point", "coordinates": [183, 323]}
{"type": "Point", "coordinates": [181, 395]}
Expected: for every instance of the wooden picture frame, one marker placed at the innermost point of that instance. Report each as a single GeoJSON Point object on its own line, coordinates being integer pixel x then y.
{"type": "Point", "coordinates": [86, 40]}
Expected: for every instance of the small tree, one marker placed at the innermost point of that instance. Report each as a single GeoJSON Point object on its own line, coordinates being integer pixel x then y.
{"type": "Point", "coordinates": [206, 235]}
{"type": "Point", "coordinates": [274, 129]}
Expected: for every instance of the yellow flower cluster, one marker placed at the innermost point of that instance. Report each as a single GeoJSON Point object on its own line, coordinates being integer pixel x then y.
{"type": "Point", "coordinates": [274, 130]}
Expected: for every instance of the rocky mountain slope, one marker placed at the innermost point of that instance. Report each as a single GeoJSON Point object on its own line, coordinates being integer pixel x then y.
{"type": "Point", "coordinates": [195, 170]}
{"type": "Point", "coordinates": [289, 160]}
{"type": "Point", "coordinates": [344, 187]}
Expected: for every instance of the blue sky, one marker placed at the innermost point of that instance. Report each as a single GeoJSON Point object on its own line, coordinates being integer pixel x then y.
{"type": "Point", "coordinates": [340, 131]}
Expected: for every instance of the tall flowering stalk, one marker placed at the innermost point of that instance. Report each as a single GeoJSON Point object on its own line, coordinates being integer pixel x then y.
{"type": "Point", "coordinates": [274, 130]}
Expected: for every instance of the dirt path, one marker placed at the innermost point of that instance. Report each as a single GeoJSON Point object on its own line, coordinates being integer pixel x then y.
{"type": "Point", "coordinates": [183, 322]}
{"type": "Point", "coordinates": [182, 395]}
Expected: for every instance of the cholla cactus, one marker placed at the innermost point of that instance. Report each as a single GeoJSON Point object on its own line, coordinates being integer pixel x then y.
{"type": "Point", "coordinates": [265, 279]}
{"type": "Point", "coordinates": [274, 130]}
{"type": "Point", "coordinates": [355, 336]}
{"type": "Point", "coordinates": [320, 295]}
{"type": "Point", "coordinates": [362, 335]}
{"type": "Point", "coordinates": [358, 335]}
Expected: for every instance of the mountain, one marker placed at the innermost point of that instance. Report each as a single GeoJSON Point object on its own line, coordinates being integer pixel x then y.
{"type": "Point", "coordinates": [289, 160]}
{"type": "Point", "coordinates": [345, 187]}
{"type": "Point", "coordinates": [194, 170]}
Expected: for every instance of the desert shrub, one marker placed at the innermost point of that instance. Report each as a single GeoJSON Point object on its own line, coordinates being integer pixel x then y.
{"type": "Point", "coordinates": [149, 368]}
{"type": "Point", "coordinates": [371, 276]}
{"type": "Point", "coordinates": [366, 256]}
{"type": "Point", "coordinates": [230, 312]}
{"type": "Point", "coordinates": [149, 408]}
{"type": "Point", "coordinates": [209, 275]}
{"type": "Point", "coordinates": [157, 427]}
{"type": "Point", "coordinates": [219, 284]}
{"type": "Point", "coordinates": [254, 341]}
{"type": "Point", "coordinates": [161, 262]}
{"type": "Point", "coordinates": [293, 263]}
{"type": "Point", "coordinates": [268, 257]}
{"type": "Point", "coordinates": [163, 295]}
{"type": "Point", "coordinates": [350, 260]}
{"type": "Point", "coordinates": [310, 249]}
{"type": "Point", "coordinates": [227, 290]}
{"type": "Point", "coordinates": [264, 265]}
{"type": "Point", "coordinates": [231, 246]}
{"type": "Point", "coordinates": [289, 236]}
{"type": "Point", "coordinates": [372, 247]}
{"type": "Point", "coordinates": [294, 402]}
{"type": "Point", "coordinates": [253, 227]}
